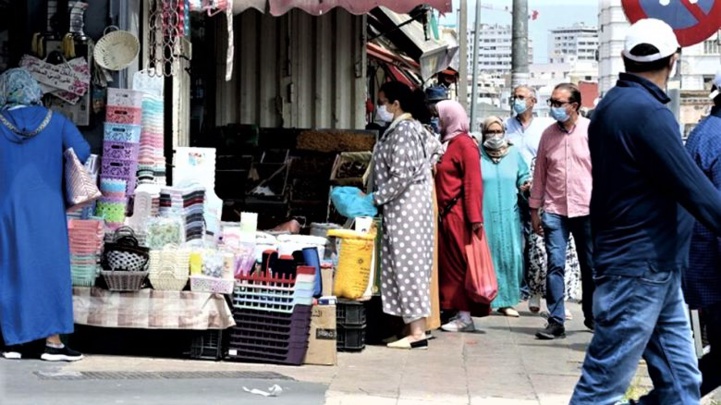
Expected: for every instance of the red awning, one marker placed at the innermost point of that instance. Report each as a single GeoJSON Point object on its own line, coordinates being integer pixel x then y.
{"type": "Point", "coordinates": [400, 76]}
{"type": "Point", "coordinates": [319, 7]}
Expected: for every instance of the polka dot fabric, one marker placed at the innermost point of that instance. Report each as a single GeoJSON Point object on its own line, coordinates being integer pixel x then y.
{"type": "Point", "coordinates": [402, 176]}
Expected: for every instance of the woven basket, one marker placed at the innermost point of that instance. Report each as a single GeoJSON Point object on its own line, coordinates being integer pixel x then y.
{"type": "Point", "coordinates": [354, 263]}
{"type": "Point", "coordinates": [116, 50]}
{"type": "Point", "coordinates": [125, 254]}
{"type": "Point", "coordinates": [167, 281]}
{"type": "Point", "coordinates": [211, 285]}
{"type": "Point", "coordinates": [124, 280]}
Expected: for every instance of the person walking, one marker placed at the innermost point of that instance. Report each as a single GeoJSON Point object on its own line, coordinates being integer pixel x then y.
{"type": "Point", "coordinates": [645, 185]}
{"type": "Point", "coordinates": [35, 284]}
{"type": "Point", "coordinates": [505, 174]}
{"type": "Point", "coordinates": [562, 187]}
{"type": "Point", "coordinates": [403, 173]}
{"type": "Point", "coordinates": [524, 131]}
{"type": "Point", "coordinates": [702, 279]}
{"type": "Point", "coordinates": [460, 195]}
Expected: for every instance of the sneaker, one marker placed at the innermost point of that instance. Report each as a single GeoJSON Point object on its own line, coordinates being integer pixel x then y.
{"type": "Point", "coordinates": [552, 331]}
{"type": "Point", "coordinates": [12, 353]}
{"type": "Point", "coordinates": [458, 325]}
{"type": "Point", "coordinates": [64, 354]}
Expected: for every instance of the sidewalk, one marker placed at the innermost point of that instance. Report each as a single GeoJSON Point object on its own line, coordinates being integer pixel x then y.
{"type": "Point", "coordinates": [503, 364]}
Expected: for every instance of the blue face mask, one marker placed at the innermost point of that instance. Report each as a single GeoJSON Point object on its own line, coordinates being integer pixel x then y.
{"type": "Point", "coordinates": [519, 106]}
{"type": "Point", "coordinates": [559, 114]}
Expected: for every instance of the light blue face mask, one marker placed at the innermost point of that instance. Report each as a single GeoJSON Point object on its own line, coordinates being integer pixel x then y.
{"type": "Point", "coordinates": [560, 114]}
{"type": "Point", "coordinates": [519, 106]}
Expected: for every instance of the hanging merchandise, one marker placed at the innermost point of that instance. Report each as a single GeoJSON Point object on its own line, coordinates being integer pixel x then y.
{"type": "Point", "coordinates": [167, 29]}
{"type": "Point", "coordinates": [117, 49]}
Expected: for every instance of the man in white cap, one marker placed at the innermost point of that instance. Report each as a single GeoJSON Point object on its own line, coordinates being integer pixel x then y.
{"type": "Point", "coordinates": [702, 280]}
{"type": "Point", "coordinates": [644, 187]}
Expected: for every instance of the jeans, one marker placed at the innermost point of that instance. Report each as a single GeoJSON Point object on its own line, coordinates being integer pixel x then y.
{"type": "Point", "coordinates": [637, 317]}
{"type": "Point", "coordinates": [710, 364]}
{"type": "Point", "coordinates": [556, 231]}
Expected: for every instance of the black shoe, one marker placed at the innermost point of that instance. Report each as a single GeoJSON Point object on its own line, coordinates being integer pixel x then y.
{"type": "Point", "coordinates": [64, 354]}
{"type": "Point", "coordinates": [553, 331]}
{"type": "Point", "coordinates": [590, 324]}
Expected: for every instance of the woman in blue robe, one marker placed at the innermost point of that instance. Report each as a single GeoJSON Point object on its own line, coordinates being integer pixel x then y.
{"type": "Point", "coordinates": [35, 284]}
{"type": "Point", "coordinates": [505, 173]}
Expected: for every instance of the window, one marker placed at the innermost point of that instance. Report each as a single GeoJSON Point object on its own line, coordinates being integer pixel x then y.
{"type": "Point", "coordinates": [711, 46]}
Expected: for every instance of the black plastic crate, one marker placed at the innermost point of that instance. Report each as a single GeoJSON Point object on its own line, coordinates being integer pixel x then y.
{"type": "Point", "coordinates": [351, 338]}
{"type": "Point", "coordinates": [350, 313]}
{"type": "Point", "coordinates": [209, 345]}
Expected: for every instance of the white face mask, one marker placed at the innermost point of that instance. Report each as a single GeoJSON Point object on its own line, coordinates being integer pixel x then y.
{"type": "Point", "coordinates": [382, 114]}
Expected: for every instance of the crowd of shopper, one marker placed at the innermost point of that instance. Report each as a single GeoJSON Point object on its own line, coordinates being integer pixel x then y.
{"type": "Point", "coordinates": [596, 210]}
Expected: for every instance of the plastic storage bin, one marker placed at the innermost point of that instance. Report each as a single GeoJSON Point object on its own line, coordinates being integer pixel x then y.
{"type": "Point", "coordinates": [351, 338]}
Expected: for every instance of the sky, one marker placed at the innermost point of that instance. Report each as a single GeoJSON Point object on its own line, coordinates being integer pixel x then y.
{"type": "Point", "coordinates": [551, 14]}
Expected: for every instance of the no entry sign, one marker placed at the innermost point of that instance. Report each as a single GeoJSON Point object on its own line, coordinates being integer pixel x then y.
{"type": "Point", "coordinates": [693, 21]}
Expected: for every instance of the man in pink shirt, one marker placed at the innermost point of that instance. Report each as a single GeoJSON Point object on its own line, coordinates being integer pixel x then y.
{"type": "Point", "coordinates": [562, 188]}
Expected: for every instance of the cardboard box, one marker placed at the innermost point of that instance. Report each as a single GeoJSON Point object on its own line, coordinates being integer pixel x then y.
{"type": "Point", "coordinates": [323, 334]}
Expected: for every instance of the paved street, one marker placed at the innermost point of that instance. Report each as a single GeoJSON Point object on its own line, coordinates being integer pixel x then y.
{"type": "Point", "coordinates": [503, 364]}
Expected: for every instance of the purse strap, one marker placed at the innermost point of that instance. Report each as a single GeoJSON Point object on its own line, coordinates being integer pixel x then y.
{"type": "Point", "coordinates": [27, 134]}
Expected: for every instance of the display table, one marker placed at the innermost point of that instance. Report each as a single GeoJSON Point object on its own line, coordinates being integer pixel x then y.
{"type": "Point", "coordinates": [151, 309]}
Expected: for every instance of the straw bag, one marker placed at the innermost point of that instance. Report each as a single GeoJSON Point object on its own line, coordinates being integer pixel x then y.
{"type": "Point", "coordinates": [116, 50]}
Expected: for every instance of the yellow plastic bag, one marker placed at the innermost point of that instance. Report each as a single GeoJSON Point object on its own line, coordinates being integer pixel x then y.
{"type": "Point", "coordinates": [354, 262]}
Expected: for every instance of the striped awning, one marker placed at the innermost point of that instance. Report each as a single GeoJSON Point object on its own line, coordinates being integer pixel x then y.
{"type": "Point", "coordinates": [320, 7]}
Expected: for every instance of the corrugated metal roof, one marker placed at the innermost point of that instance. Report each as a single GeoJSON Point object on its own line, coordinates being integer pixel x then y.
{"type": "Point", "coordinates": [295, 71]}
{"type": "Point", "coordinates": [320, 7]}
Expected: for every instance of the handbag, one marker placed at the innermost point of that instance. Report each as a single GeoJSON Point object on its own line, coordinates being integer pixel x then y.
{"type": "Point", "coordinates": [80, 187]}
{"type": "Point", "coordinates": [481, 282]}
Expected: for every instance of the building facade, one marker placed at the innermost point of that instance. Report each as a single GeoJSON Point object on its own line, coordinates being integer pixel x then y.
{"type": "Point", "coordinates": [494, 54]}
{"type": "Point", "coordinates": [578, 40]}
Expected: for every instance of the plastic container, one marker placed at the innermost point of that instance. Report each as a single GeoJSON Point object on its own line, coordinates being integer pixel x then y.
{"type": "Point", "coordinates": [124, 115]}
{"type": "Point", "coordinates": [116, 132]}
{"type": "Point", "coordinates": [287, 244]}
{"type": "Point", "coordinates": [209, 345]}
{"type": "Point", "coordinates": [211, 285]}
{"type": "Point", "coordinates": [350, 313]}
{"type": "Point", "coordinates": [121, 150]}
{"type": "Point", "coordinates": [351, 338]}
{"type": "Point", "coordinates": [124, 98]}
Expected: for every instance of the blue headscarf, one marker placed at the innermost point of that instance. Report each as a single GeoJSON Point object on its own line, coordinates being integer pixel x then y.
{"type": "Point", "coordinates": [19, 88]}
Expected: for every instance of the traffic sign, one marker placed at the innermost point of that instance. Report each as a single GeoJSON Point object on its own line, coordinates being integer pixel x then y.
{"type": "Point", "coordinates": [693, 21]}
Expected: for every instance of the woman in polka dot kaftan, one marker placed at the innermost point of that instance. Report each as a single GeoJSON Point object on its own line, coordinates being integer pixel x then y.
{"type": "Point", "coordinates": [460, 194]}
{"type": "Point", "coordinates": [402, 173]}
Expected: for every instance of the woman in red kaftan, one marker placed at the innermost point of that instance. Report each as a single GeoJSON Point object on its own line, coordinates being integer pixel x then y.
{"type": "Point", "coordinates": [459, 188]}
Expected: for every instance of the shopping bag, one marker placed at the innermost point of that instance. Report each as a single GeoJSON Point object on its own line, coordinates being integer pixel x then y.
{"type": "Point", "coordinates": [481, 282]}
{"type": "Point", "coordinates": [352, 203]}
{"type": "Point", "coordinates": [80, 186]}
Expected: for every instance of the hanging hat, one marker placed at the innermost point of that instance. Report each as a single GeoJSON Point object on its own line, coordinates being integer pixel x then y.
{"type": "Point", "coordinates": [436, 93]}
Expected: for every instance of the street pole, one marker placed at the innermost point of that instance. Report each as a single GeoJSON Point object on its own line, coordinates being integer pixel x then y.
{"type": "Point", "coordinates": [462, 86]}
{"type": "Point", "coordinates": [519, 53]}
{"type": "Point", "coordinates": [474, 77]}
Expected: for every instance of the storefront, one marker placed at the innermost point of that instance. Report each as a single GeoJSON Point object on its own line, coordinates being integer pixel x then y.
{"type": "Point", "coordinates": [263, 104]}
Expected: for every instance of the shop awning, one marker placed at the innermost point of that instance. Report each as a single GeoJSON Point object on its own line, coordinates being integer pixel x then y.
{"type": "Point", "coordinates": [400, 68]}
{"type": "Point", "coordinates": [433, 55]}
{"type": "Point", "coordinates": [320, 7]}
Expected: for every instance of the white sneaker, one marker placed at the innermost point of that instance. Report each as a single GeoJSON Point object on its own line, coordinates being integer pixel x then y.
{"type": "Point", "coordinates": [458, 325]}
{"type": "Point", "coordinates": [12, 355]}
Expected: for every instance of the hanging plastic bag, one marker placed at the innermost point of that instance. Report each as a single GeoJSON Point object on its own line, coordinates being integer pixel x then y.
{"type": "Point", "coordinates": [352, 203]}
{"type": "Point", "coordinates": [481, 282]}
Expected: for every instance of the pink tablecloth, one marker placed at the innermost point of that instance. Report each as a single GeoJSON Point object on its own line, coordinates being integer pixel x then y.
{"type": "Point", "coordinates": [151, 309]}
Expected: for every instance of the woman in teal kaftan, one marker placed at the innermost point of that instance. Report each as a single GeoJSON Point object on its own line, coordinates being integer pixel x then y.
{"type": "Point", "coordinates": [505, 173]}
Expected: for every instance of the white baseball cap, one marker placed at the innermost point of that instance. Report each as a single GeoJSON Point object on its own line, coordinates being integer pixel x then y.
{"type": "Point", "coordinates": [654, 32]}
{"type": "Point", "coordinates": [717, 84]}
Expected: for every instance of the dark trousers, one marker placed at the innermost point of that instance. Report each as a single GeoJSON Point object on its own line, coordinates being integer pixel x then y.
{"type": "Point", "coordinates": [710, 364]}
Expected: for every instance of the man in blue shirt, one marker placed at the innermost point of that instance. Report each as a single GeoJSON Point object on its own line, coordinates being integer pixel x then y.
{"type": "Point", "coordinates": [702, 281]}
{"type": "Point", "coordinates": [644, 187]}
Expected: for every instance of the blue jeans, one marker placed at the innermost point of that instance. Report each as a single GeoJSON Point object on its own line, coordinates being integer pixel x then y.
{"type": "Point", "coordinates": [637, 317]}
{"type": "Point", "coordinates": [556, 231]}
